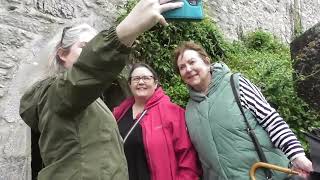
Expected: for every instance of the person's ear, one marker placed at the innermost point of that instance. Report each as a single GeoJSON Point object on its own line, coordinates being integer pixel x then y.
{"type": "Point", "coordinates": [62, 53]}
{"type": "Point", "coordinates": [156, 82]}
{"type": "Point", "coordinates": [206, 60]}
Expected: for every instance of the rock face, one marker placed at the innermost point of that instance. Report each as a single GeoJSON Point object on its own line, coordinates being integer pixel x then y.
{"type": "Point", "coordinates": [27, 25]}
{"type": "Point", "coordinates": [305, 52]}
{"type": "Point", "coordinates": [235, 17]}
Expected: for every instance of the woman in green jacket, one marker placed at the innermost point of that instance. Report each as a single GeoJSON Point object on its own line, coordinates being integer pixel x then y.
{"type": "Point", "coordinates": [217, 126]}
{"type": "Point", "coordinates": [79, 137]}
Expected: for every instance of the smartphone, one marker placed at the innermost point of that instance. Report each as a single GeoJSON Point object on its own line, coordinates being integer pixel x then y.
{"type": "Point", "coordinates": [191, 10]}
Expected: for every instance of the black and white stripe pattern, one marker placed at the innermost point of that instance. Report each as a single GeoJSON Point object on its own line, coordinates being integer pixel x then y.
{"type": "Point", "coordinates": [279, 132]}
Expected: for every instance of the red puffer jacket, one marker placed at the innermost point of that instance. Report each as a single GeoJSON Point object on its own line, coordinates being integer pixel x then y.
{"type": "Point", "coordinates": [170, 154]}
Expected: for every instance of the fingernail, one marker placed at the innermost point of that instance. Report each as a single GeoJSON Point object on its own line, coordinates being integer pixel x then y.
{"type": "Point", "coordinates": [180, 4]}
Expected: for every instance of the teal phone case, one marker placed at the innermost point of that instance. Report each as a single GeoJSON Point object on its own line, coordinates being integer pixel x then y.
{"type": "Point", "coordinates": [192, 9]}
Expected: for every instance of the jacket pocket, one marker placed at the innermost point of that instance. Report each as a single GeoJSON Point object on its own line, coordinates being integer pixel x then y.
{"type": "Point", "coordinates": [66, 169]}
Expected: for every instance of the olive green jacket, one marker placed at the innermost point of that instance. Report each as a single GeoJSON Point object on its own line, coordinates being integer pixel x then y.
{"type": "Point", "coordinates": [79, 136]}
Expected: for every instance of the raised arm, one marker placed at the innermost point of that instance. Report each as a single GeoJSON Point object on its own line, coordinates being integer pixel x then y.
{"type": "Point", "coordinates": [144, 16]}
{"type": "Point", "coordinates": [103, 58]}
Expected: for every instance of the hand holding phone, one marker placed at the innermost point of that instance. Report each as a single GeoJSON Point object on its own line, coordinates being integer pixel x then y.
{"type": "Point", "coordinates": [191, 10]}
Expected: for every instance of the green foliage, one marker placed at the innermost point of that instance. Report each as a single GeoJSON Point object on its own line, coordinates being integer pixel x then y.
{"type": "Point", "coordinates": [259, 56]}
{"type": "Point", "coordinates": [271, 70]}
{"type": "Point", "coordinates": [262, 41]}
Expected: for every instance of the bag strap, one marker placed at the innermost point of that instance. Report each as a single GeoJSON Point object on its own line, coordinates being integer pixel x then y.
{"type": "Point", "coordinates": [134, 125]}
{"type": "Point", "coordinates": [250, 131]}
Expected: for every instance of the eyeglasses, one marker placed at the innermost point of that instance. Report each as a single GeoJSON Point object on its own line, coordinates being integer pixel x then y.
{"type": "Point", "coordinates": [145, 79]}
{"type": "Point", "coordinates": [65, 29]}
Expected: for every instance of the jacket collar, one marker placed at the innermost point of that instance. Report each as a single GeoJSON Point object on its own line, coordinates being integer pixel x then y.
{"type": "Point", "coordinates": [155, 99]}
{"type": "Point", "coordinates": [218, 71]}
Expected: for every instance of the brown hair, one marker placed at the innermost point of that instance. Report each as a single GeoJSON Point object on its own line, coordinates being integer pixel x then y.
{"type": "Point", "coordinates": [188, 45]}
{"type": "Point", "coordinates": [137, 65]}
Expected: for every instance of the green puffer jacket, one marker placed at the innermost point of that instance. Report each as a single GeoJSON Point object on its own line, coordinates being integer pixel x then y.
{"type": "Point", "coordinates": [218, 132]}
{"type": "Point", "coordinates": [79, 135]}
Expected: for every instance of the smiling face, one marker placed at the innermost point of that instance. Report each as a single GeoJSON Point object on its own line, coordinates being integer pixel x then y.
{"type": "Point", "coordinates": [194, 70]}
{"type": "Point", "coordinates": [142, 83]}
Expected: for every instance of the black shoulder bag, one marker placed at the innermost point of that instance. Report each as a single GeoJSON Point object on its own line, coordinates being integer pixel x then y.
{"type": "Point", "coordinates": [250, 131]}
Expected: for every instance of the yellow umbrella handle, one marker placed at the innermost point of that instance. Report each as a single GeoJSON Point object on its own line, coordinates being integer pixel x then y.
{"type": "Point", "coordinates": [257, 165]}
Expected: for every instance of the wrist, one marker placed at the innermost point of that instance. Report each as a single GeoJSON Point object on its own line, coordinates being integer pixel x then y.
{"type": "Point", "coordinates": [293, 158]}
{"type": "Point", "coordinates": [126, 34]}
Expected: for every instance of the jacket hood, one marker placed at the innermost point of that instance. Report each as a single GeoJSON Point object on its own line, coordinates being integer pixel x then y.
{"type": "Point", "coordinates": [218, 71]}
{"type": "Point", "coordinates": [157, 97]}
{"type": "Point", "coordinates": [30, 100]}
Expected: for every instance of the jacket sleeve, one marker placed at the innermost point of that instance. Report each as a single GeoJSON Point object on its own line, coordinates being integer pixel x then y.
{"type": "Point", "coordinates": [278, 130]}
{"type": "Point", "coordinates": [187, 158]}
{"type": "Point", "coordinates": [100, 62]}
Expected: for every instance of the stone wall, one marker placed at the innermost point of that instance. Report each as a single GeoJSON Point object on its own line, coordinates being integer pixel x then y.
{"type": "Point", "coordinates": [26, 26]}
{"type": "Point", "coordinates": [235, 17]}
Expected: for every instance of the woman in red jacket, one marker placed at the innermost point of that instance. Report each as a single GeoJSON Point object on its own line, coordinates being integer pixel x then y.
{"type": "Point", "coordinates": [158, 147]}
